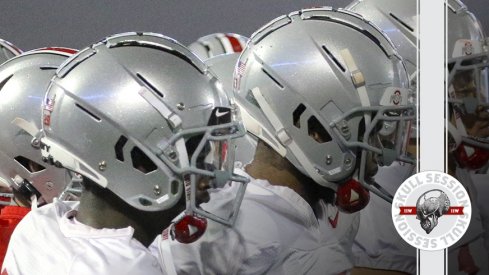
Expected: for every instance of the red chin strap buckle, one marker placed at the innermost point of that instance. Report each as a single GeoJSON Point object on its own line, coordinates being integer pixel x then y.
{"type": "Point", "coordinates": [477, 160]}
{"type": "Point", "coordinates": [189, 229]}
{"type": "Point", "coordinates": [352, 197]}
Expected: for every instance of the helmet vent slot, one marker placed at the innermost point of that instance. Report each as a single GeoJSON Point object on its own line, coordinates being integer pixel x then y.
{"type": "Point", "coordinates": [151, 86]}
{"type": "Point", "coordinates": [142, 162]}
{"type": "Point", "coordinates": [48, 68]}
{"type": "Point", "coordinates": [402, 22]}
{"type": "Point", "coordinates": [156, 46]}
{"type": "Point", "coordinates": [119, 154]}
{"type": "Point", "coordinates": [336, 61]}
{"type": "Point", "coordinates": [88, 112]}
{"type": "Point", "coordinates": [364, 32]}
{"type": "Point", "coordinates": [273, 78]}
{"type": "Point", "coordinates": [145, 44]}
{"type": "Point", "coordinates": [317, 131]}
{"type": "Point", "coordinates": [222, 45]}
{"type": "Point", "coordinates": [207, 48]}
{"type": "Point", "coordinates": [296, 115]}
{"type": "Point", "coordinates": [28, 164]}
{"type": "Point", "coordinates": [174, 187]}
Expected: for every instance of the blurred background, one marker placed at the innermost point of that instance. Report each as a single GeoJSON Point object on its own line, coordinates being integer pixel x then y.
{"type": "Point", "coordinates": [481, 10]}
{"type": "Point", "coordinates": [33, 24]}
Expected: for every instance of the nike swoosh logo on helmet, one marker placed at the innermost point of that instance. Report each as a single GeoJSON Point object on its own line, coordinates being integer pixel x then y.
{"type": "Point", "coordinates": [220, 114]}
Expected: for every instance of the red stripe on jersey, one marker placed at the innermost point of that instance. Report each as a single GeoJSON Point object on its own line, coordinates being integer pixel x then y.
{"type": "Point", "coordinates": [235, 44]}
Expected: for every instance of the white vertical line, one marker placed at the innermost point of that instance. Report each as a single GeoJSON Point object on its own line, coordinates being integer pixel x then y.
{"type": "Point", "coordinates": [431, 96]}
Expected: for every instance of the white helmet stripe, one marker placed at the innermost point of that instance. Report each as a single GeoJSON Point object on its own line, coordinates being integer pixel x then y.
{"type": "Point", "coordinates": [358, 81]}
{"type": "Point", "coordinates": [174, 120]}
{"type": "Point", "coordinates": [228, 48]}
{"type": "Point", "coordinates": [256, 128]}
{"type": "Point", "coordinates": [70, 161]}
{"type": "Point", "coordinates": [29, 127]}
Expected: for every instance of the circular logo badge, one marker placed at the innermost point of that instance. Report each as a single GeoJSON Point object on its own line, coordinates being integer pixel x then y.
{"type": "Point", "coordinates": [431, 210]}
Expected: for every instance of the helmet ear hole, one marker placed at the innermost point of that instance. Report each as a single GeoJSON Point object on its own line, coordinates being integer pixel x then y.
{"type": "Point", "coordinates": [141, 162]}
{"type": "Point", "coordinates": [119, 154]}
{"type": "Point", "coordinates": [296, 115]}
{"type": "Point", "coordinates": [30, 165]}
{"type": "Point", "coordinates": [317, 131]}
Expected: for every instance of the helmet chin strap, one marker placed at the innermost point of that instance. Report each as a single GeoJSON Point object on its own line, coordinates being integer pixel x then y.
{"type": "Point", "coordinates": [468, 153]}
{"type": "Point", "coordinates": [455, 135]}
{"type": "Point", "coordinates": [358, 80]}
{"type": "Point", "coordinates": [187, 227]}
{"type": "Point", "coordinates": [458, 121]}
{"type": "Point", "coordinates": [34, 202]}
{"type": "Point", "coordinates": [378, 190]}
{"type": "Point", "coordinates": [351, 196]}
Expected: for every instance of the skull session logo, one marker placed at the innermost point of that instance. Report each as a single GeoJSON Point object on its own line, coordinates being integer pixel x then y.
{"type": "Point", "coordinates": [431, 210]}
{"type": "Point", "coordinates": [428, 210]}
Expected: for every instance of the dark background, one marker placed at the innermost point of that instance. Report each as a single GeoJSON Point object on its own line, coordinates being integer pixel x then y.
{"type": "Point", "coordinates": [481, 10]}
{"type": "Point", "coordinates": [33, 24]}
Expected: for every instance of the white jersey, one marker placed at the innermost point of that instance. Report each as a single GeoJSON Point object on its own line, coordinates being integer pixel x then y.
{"type": "Point", "coordinates": [475, 229]}
{"type": "Point", "coordinates": [481, 183]}
{"type": "Point", "coordinates": [276, 232]}
{"type": "Point", "coordinates": [50, 241]}
{"type": "Point", "coordinates": [477, 235]}
{"type": "Point", "coordinates": [377, 244]}
{"type": "Point", "coordinates": [344, 227]}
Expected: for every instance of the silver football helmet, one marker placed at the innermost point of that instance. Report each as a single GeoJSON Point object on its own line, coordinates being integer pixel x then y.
{"type": "Point", "coordinates": [398, 19]}
{"type": "Point", "coordinates": [335, 92]}
{"type": "Point", "coordinates": [223, 66]}
{"type": "Point", "coordinates": [464, 33]}
{"type": "Point", "coordinates": [217, 44]}
{"type": "Point", "coordinates": [24, 80]}
{"type": "Point", "coordinates": [7, 51]}
{"type": "Point", "coordinates": [468, 87]}
{"type": "Point", "coordinates": [140, 115]}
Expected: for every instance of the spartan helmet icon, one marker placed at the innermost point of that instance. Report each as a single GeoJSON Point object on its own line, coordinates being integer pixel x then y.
{"type": "Point", "coordinates": [430, 206]}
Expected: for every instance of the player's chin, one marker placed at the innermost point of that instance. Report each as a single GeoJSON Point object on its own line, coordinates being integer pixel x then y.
{"type": "Point", "coordinates": [371, 167]}
{"type": "Point", "coordinates": [202, 196]}
{"type": "Point", "coordinates": [202, 190]}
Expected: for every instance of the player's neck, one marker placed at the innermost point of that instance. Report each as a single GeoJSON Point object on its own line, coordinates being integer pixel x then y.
{"type": "Point", "coordinates": [275, 175]}
{"type": "Point", "coordinates": [270, 166]}
{"type": "Point", "coordinates": [101, 212]}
